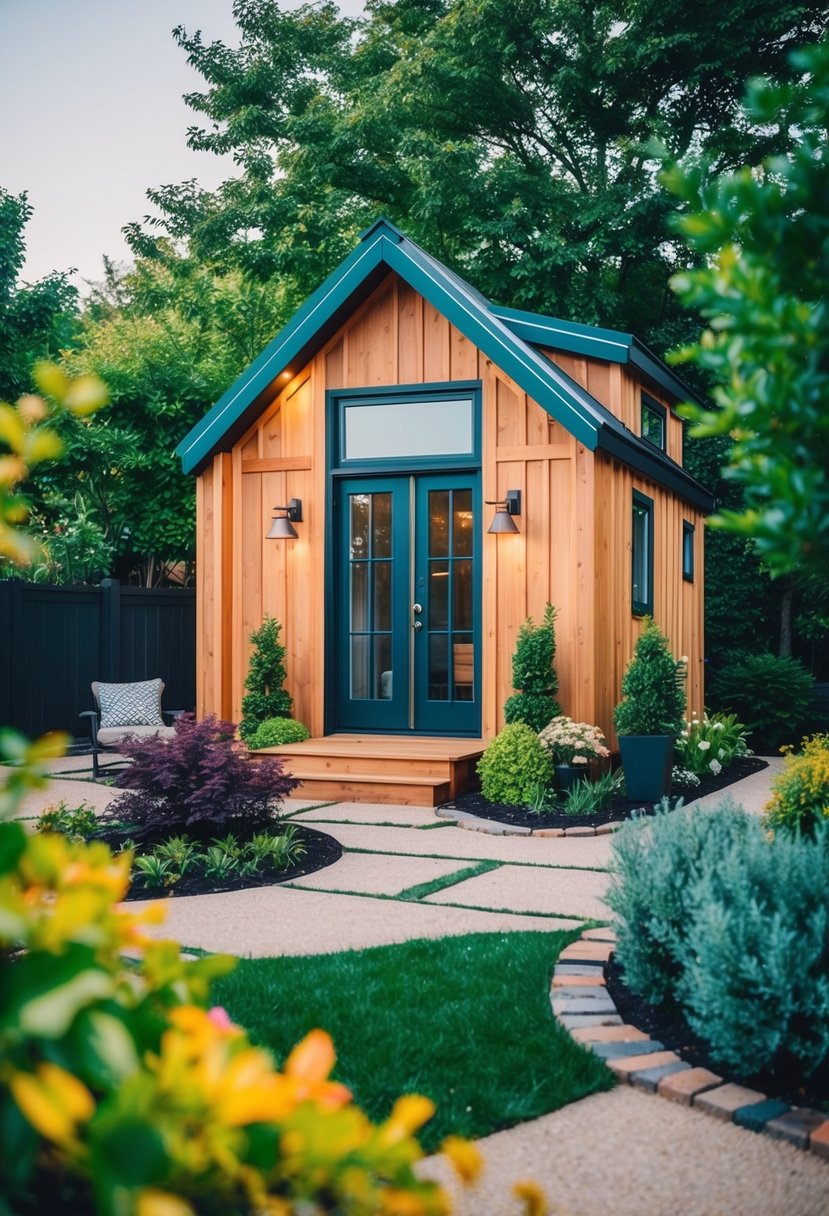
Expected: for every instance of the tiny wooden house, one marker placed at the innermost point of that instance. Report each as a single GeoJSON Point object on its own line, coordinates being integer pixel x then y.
{"type": "Point", "coordinates": [402, 410]}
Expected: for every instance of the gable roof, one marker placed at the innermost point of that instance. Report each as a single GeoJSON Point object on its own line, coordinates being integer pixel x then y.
{"type": "Point", "coordinates": [508, 337]}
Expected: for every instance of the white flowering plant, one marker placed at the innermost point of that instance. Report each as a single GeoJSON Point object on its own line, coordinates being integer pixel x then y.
{"type": "Point", "coordinates": [570, 742]}
{"type": "Point", "coordinates": [707, 746]}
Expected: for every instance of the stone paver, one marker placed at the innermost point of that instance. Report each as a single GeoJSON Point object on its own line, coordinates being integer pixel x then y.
{"type": "Point", "coordinates": [265, 921]}
{"type": "Point", "coordinates": [373, 813]}
{"type": "Point", "coordinates": [626, 1154]}
{"type": "Point", "coordinates": [554, 892]}
{"type": "Point", "coordinates": [796, 1126]}
{"type": "Point", "coordinates": [625, 1066]}
{"type": "Point", "coordinates": [73, 793]}
{"type": "Point", "coordinates": [381, 875]}
{"type": "Point", "coordinates": [726, 1099]}
{"type": "Point", "coordinates": [453, 842]}
{"type": "Point", "coordinates": [683, 1087]}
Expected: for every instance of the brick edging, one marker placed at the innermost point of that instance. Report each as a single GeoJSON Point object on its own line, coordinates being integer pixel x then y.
{"type": "Point", "coordinates": [492, 827]}
{"type": "Point", "coordinates": [582, 1004]}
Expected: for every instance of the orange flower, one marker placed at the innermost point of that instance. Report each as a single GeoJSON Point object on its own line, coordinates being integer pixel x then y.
{"type": "Point", "coordinates": [465, 1158]}
{"type": "Point", "coordinates": [532, 1196]}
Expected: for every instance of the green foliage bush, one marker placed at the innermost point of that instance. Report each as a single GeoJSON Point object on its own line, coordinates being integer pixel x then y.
{"type": "Point", "coordinates": [653, 693]}
{"type": "Point", "coordinates": [800, 794]}
{"type": "Point", "coordinates": [265, 697]}
{"type": "Point", "coordinates": [770, 694]}
{"type": "Point", "coordinates": [533, 674]}
{"type": "Point", "coordinates": [732, 927]}
{"type": "Point", "coordinates": [534, 709]}
{"type": "Point", "coordinates": [274, 731]}
{"type": "Point", "coordinates": [74, 822]}
{"type": "Point", "coordinates": [513, 765]}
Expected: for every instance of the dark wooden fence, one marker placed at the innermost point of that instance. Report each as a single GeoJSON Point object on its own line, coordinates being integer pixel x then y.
{"type": "Point", "coordinates": [54, 641]}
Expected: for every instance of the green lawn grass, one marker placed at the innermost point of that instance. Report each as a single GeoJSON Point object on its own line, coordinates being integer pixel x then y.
{"type": "Point", "coordinates": [463, 1020]}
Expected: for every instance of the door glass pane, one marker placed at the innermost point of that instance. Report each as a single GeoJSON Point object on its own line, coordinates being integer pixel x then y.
{"type": "Point", "coordinates": [439, 595]}
{"type": "Point", "coordinates": [382, 666]}
{"type": "Point", "coordinates": [438, 667]}
{"type": "Point", "coordinates": [358, 532]}
{"type": "Point", "coordinates": [462, 616]}
{"type": "Point", "coordinates": [382, 595]}
{"type": "Point", "coordinates": [462, 520]}
{"type": "Point", "coordinates": [359, 668]}
{"type": "Point", "coordinates": [359, 597]}
{"type": "Point", "coordinates": [463, 661]}
{"type": "Point", "coordinates": [438, 523]}
{"type": "Point", "coordinates": [381, 525]}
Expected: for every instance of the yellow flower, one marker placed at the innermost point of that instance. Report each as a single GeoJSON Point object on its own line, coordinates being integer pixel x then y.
{"type": "Point", "coordinates": [162, 1203]}
{"type": "Point", "coordinates": [409, 1113]}
{"type": "Point", "coordinates": [53, 1100]}
{"type": "Point", "coordinates": [464, 1157]}
{"type": "Point", "coordinates": [532, 1196]}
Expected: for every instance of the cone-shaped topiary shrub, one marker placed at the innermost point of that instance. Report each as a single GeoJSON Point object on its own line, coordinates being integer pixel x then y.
{"type": "Point", "coordinates": [200, 782]}
{"type": "Point", "coordinates": [513, 765]}
{"type": "Point", "coordinates": [265, 698]}
{"type": "Point", "coordinates": [653, 688]}
{"type": "Point", "coordinates": [533, 674]}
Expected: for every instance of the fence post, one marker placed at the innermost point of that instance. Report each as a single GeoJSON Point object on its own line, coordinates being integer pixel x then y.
{"type": "Point", "coordinates": [111, 630]}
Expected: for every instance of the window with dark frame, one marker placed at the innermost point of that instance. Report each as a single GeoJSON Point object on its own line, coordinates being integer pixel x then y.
{"type": "Point", "coordinates": [653, 422]}
{"type": "Point", "coordinates": [642, 555]}
{"type": "Point", "coordinates": [688, 551]}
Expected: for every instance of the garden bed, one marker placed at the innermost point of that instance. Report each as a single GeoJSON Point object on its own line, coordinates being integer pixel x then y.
{"type": "Point", "coordinates": [321, 850]}
{"type": "Point", "coordinates": [667, 1025]}
{"type": "Point", "coordinates": [620, 807]}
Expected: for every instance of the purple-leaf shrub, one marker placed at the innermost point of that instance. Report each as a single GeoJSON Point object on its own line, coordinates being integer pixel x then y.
{"type": "Point", "coordinates": [200, 782]}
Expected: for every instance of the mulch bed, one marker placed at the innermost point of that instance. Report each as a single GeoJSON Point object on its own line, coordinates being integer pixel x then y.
{"type": "Point", "coordinates": [321, 851]}
{"type": "Point", "coordinates": [668, 1026]}
{"type": "Point", "coordinates": [620, 807]}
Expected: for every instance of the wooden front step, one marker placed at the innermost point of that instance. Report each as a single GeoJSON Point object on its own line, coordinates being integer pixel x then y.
{"type": "Point", "coordinates": [381, 768]}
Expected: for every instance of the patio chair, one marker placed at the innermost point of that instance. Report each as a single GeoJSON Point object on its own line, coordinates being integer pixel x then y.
{"type": "Point", "coordinates": [126, 709]}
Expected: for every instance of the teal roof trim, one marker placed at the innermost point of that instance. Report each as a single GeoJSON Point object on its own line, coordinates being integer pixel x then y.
{"type": "Point", "coordinates": [200, 442]}
{"type": "Point", "coordinates": [609, 344]}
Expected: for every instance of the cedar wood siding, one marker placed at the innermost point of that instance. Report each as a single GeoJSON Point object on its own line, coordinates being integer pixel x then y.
{"type": "Point", "coordinates": [574, 542]}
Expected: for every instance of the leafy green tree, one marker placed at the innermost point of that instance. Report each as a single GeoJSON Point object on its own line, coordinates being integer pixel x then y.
{"type": "Point", "coordinates": [765, 234]}
{"type": "Point", "coordinates": [507, 136]}
{"type": "Point", "coordinates": [36, 319]}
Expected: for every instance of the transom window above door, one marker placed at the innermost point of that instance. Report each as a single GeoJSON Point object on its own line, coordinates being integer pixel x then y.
{"type": "Point", "coordinates": [423, 425]}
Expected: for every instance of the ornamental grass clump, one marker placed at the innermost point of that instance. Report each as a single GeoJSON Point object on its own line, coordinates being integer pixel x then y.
{"type": "Point", "coordinates": [800, 794]}
{"type": "Point", "coordinates": [653, 688]}
{"type": "Point", "coordinates": [731, 927]}
{"type": "Point", "coordinates": [199, 783]}
{"type": "Point", "coordinates": [513, 766]}
{"type": "Point", "coordinates": [570, 742]}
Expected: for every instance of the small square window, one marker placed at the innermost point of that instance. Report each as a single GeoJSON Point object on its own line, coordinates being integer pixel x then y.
{"type": "Point", "coordinates": [688, 551]}
{"type": "Point", "coordinates": [653, 422]}
{"type": "Point", "coordinates": [642, 555]}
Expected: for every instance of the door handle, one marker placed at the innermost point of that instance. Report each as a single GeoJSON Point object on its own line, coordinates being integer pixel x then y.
{"type": "Point", "coordinates": [417, 609]}
{"type": "Point", "coordinates": [417, 626]}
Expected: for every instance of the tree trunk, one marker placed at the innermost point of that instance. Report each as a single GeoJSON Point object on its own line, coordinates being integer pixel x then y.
{"type": "Point", "coordinates": [786, 624]}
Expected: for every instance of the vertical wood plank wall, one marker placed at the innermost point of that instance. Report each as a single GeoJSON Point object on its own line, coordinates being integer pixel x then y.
{"type": "Point", "coordinates": [574, 542]}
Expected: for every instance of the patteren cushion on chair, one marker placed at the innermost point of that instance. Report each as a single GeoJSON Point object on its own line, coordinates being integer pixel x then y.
{"type": "Point", "coordinates": [130, 704]}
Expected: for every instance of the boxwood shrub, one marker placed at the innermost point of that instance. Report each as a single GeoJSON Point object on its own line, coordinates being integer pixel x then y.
{"type": "Point", "coordinates": [513, 766]}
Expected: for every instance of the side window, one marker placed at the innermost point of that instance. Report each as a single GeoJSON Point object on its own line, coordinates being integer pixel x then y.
{"type": "Point", "coordinates": [688, 551]}
{"type": "Point", "coordinates": [642, 555]}
{"type": "Point", "coordinates": [654, 422]}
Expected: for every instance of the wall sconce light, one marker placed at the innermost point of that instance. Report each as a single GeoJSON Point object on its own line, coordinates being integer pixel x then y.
{"type": "Point", "coordinates": [282, 527]}
{"type": "Point", "coordinates": [504, 510]}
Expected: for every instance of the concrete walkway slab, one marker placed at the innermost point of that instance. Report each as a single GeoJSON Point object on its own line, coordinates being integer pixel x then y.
{"type": "Point", "coordinates": [551, 892]}
{"type": "Point", "coordinates": [373, 813]}
{"type": "Point", "coordinates": [379, 874]}
{"type": "Point", "coordinates": [625, 1153]}
{"type": "Point", "coordinates": [265, 921]}
{"type": "Point", "coordinates": [752, 792]}
{"type": "Point", "coordinates": [588, 851]}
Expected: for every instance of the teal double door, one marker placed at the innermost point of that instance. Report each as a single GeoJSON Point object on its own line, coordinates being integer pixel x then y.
{"type": "Point", "coordinates": [405, 638]}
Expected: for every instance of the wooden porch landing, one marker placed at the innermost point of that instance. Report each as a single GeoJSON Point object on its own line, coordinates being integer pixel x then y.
{"type": "Point", "coordinates": [408, 770]}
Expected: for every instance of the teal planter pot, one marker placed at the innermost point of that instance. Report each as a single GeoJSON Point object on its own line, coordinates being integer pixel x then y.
{"type": "Point", "coordinates": [648, 761]}
{"type": "Point", "coordinates": [568, 774]}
